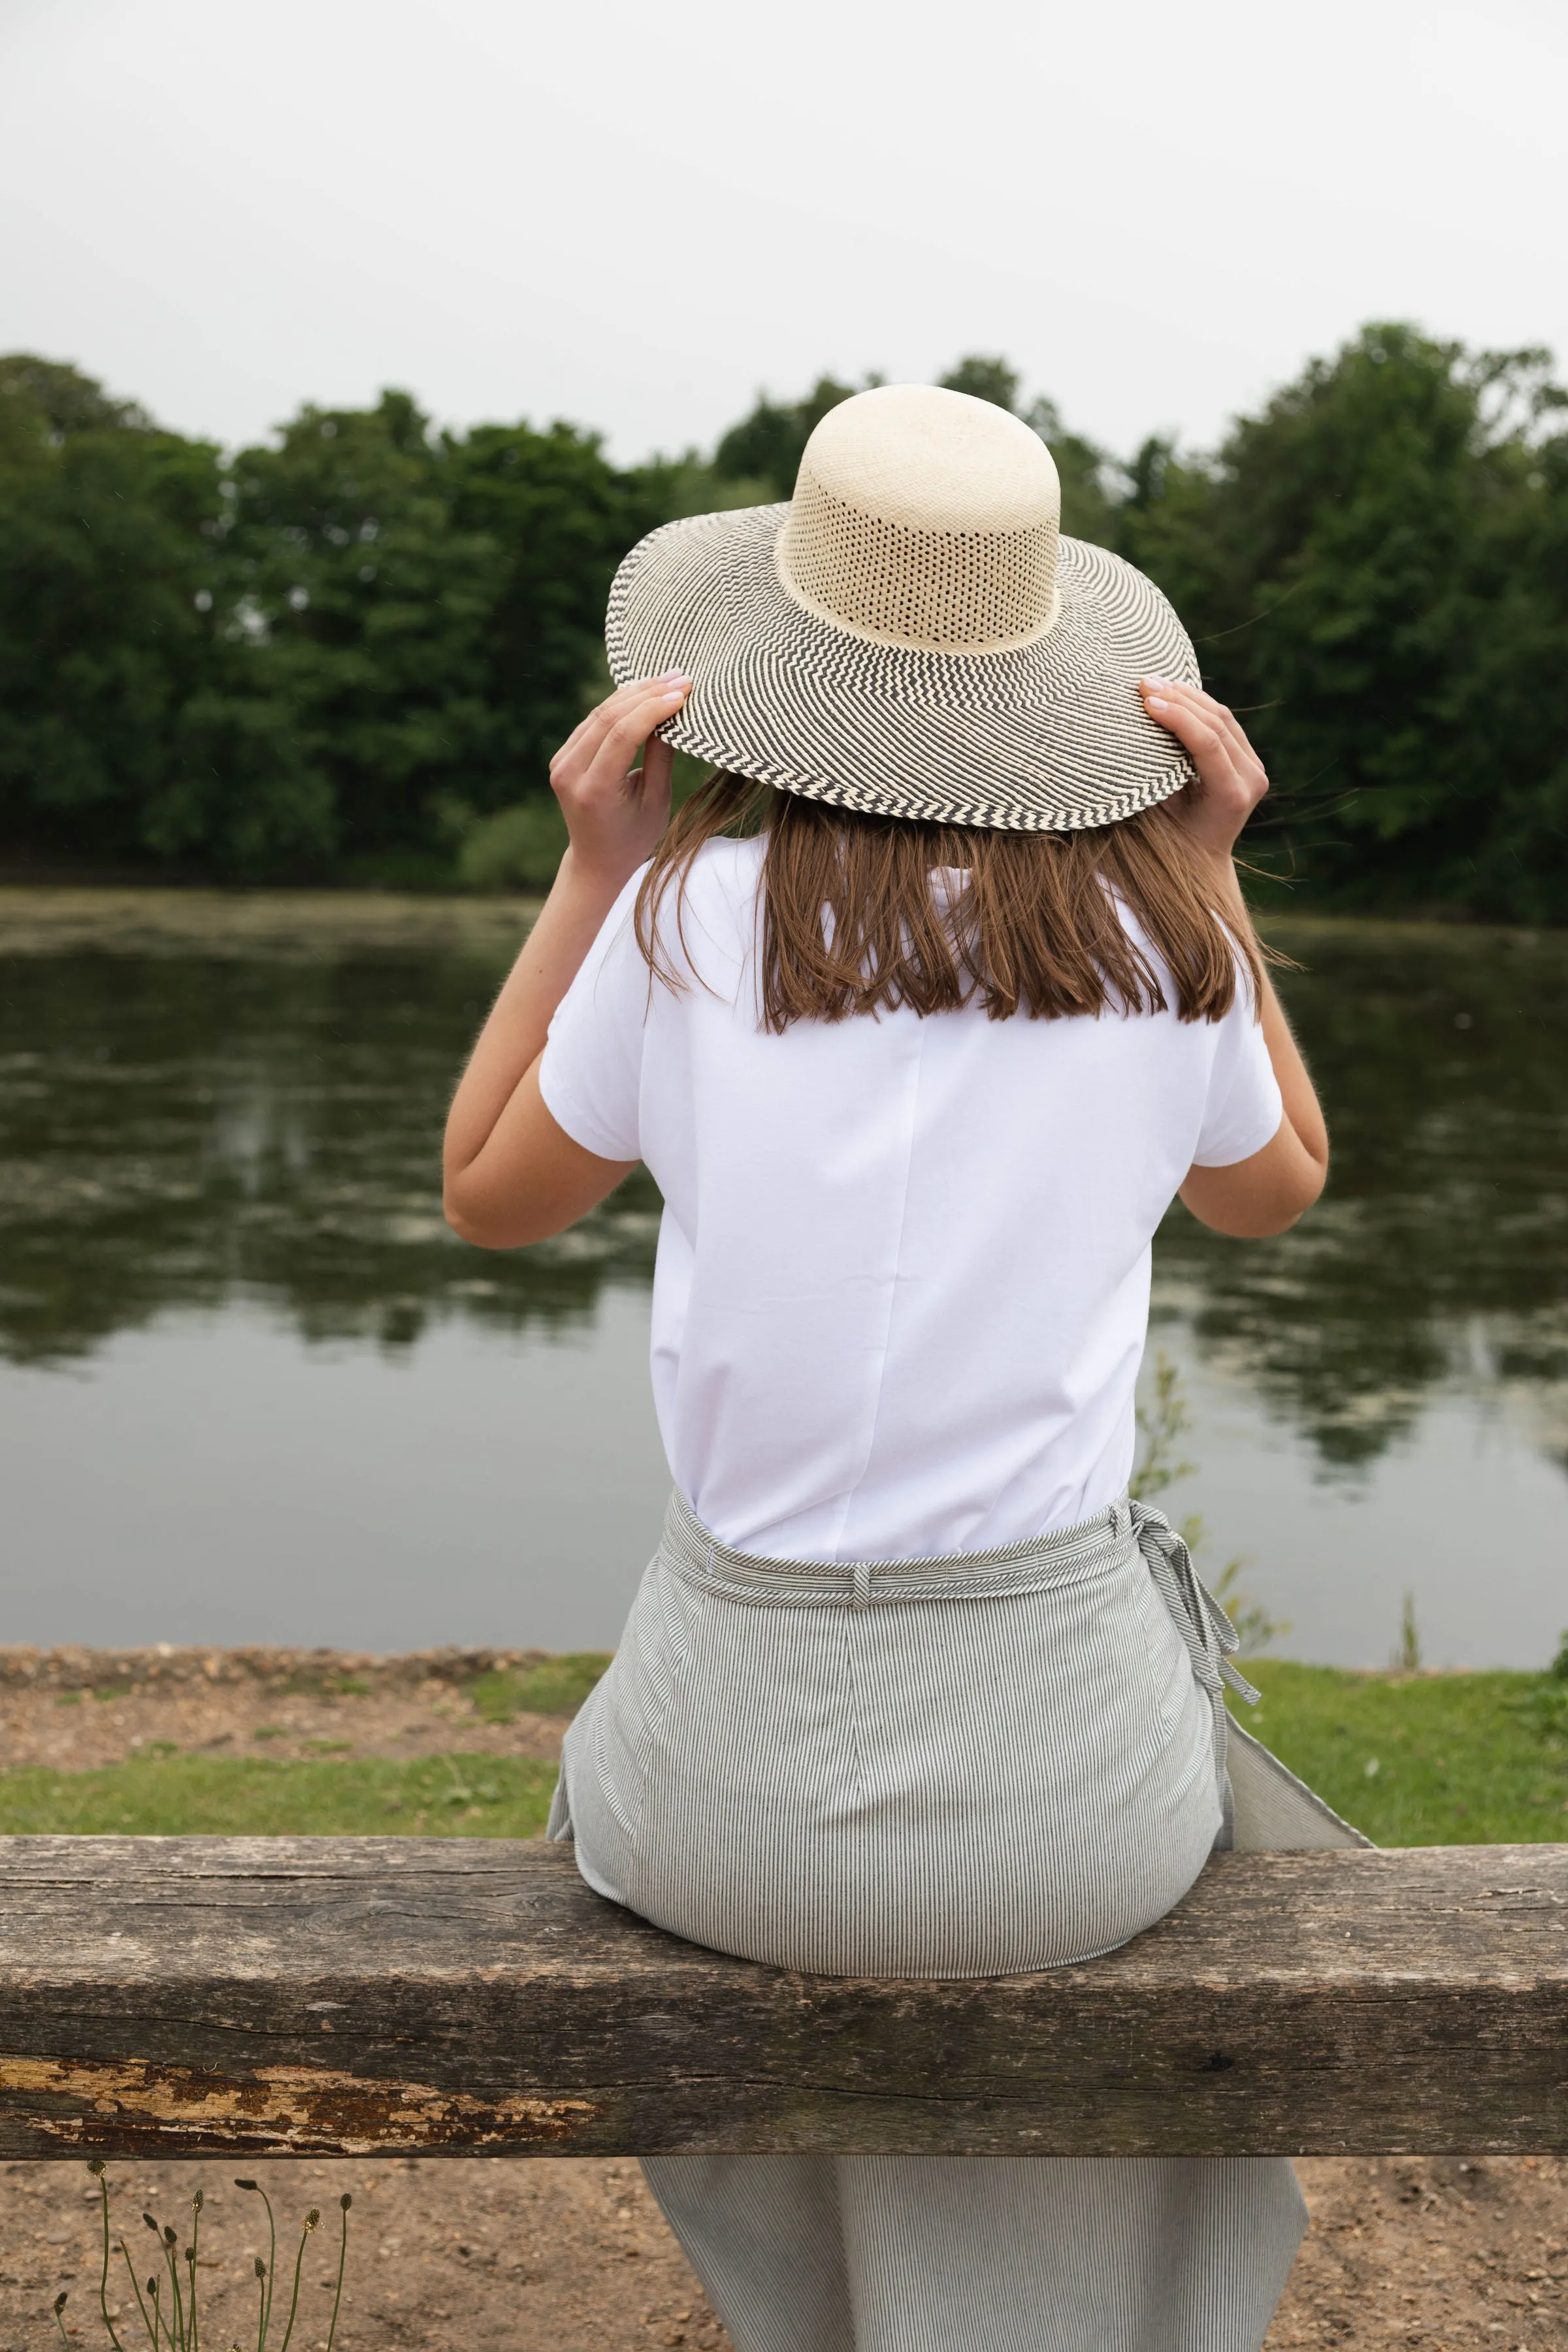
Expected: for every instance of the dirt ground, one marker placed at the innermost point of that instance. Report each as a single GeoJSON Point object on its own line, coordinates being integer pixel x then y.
{"type": "Point", "coordinates": [573, 2256]}
{"type": "Point", "coordinates": [470, 2256]}
{"type": "Point", "coordinates": [76, 1709]}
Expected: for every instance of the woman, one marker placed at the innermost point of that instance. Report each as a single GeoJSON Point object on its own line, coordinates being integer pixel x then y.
{"type": "Point", "coordinates": [919, 1014]}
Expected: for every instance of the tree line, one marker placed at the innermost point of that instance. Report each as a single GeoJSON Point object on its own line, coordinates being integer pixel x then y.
{"type": "Point", "coordinates": [347, 654]}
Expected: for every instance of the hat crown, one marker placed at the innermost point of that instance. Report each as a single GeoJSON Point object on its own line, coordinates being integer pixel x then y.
{"type": "Point", "coordinates": [925, 518]}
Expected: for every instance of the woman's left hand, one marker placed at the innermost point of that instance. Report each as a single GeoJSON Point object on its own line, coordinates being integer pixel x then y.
{"type": "Point", "coordinates": [1230, 779]}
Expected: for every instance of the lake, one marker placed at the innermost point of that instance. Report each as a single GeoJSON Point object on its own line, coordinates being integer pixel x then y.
{"type": "Point", "coordinates": [251, 1389]}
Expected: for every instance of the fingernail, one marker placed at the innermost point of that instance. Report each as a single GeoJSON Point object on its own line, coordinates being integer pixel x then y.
{"type": "Point", "coordinates": [1154, 681]}
{"type": "Point", "coordinates": [665, 676]}
{"type": "Point", "coordinates": [1158, 702]}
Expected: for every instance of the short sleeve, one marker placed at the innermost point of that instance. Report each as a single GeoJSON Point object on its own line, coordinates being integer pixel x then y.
{"type": "Point", "coordinates": [590, 1074]}
{"type": "Point", "coordinates": [1243, 1108]}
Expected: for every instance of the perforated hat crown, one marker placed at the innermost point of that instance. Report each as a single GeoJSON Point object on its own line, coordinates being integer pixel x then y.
{"type": "Point", "coordinates": [926, 518]}
{"type": "Point", "coordinates": [910, 635]}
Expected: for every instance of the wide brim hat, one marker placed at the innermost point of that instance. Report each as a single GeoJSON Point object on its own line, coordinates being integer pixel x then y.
{"type": "Point", "coordinates": [910, 635]}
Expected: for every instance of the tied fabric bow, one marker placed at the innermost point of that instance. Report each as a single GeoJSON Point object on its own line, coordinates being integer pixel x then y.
{"type": "Point", "coordinates": [1211, 1638]}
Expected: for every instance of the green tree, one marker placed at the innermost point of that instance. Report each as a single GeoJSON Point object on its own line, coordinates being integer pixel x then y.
{"type": "Point", "coordinates": [67, 401]}
{"type": "Point", "coordinates": [984, 377]}
{"type": "Point", "coordinates": [311, 662]}
{"type": "Point", "coordinates": [427, 606]}
{"type": "Point", "coordinates": [1376, 571]}
{"type": "Point", "coordinates": [766, 444]}
{"type": "Point", "coordinates": [110, 664]}
{"type": "Point", "coordinates": [361, 607]}
{"type": "Point", "coordinates": [1087, 507]}
{"type": "Point", "coordinates": [560, 518]}
{"type": "Point", "coordinates": [350, 649]}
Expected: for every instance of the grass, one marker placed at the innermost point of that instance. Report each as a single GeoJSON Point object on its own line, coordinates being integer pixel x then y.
{"type": "Point", "coordinates": [1412, 1760]}
{"type": "Point", "coordinates": [186, 1796]}
{"type": "Point", "coordinates": [1423, 1760]}
{"type": "Point", "coordinates": [557, 1686]}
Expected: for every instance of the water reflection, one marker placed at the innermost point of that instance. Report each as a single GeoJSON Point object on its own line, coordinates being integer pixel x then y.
{"type": "Point", "coordinates": [1440, 1254]}
{"type": "Point", "coordinates": [308, 1411]}
{"type": "Point", "coordinates": [184, 1119]}
{"type": "Point", "coordinates": [178, 1128]}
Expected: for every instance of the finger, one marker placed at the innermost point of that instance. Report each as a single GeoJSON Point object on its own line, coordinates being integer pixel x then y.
{"type": "Point", "coordinates": [627, 733]}
{"type": "Point", "coordinates": [1194, 696]}
{"type": "Point", "coordinates": [606, 744]}
{"type": "Point", "coordinates": [1226, 761]}
{"type": "Point", "coordinates": [1209, 746]}
{"type": "Point", "coordinates": [657, 768]}
{"type": "Point", "coordinates": [1226, 720]}
{"type": "Point", "coordinates": [592, 726]}
{"type": "Point", "coordinates": [590, 730]}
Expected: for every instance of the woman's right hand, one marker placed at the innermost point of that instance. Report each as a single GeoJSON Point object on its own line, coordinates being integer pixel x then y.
{"type": "Point", "coordinates": [615, 812]}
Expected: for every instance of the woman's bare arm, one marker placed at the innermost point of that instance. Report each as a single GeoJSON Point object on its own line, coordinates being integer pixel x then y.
{"type": "Point", "coordinates": [1266, 1194]}
{"type": "Point", "coordinates": [510, 1174]}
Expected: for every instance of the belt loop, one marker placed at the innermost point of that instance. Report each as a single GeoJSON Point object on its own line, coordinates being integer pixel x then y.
{"type": "Point", "coordinates": [862, 1574]}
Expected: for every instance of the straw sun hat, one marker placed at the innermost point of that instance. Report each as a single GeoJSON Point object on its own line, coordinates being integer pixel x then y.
{"type": "Point", "coordinates": [910, 636]}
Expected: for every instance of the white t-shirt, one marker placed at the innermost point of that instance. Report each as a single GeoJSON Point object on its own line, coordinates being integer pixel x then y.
{"type": "Point", "coordinates": [902, 1281]}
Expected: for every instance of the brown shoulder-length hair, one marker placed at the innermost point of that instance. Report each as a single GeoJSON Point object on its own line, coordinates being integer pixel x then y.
{"type": "Point", "coordinates": [851, 924]}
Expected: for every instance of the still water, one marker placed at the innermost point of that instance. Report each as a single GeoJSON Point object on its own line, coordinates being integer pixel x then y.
{"type": "Point", "coordinates": [252, 1389]}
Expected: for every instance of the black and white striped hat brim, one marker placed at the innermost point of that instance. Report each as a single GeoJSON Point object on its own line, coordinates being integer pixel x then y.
{"type": "Point", "coordinates": [1046, 737]}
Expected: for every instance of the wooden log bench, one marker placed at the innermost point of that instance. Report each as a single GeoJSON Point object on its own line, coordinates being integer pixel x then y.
{"type": "Point", "coordinates": [176, 1997]}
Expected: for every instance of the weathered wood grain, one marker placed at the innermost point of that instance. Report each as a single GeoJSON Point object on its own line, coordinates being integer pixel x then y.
{"type": "Point", "coordinates": [366, 1996]}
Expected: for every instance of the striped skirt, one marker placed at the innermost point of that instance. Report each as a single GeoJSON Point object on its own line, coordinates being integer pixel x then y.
{"type": "Point", "coordinates": [980, 1765]}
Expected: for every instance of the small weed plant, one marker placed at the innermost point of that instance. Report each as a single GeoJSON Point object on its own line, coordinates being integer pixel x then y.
{"type": "Point", "coordinates": [167, 2300]}
{"type": "Point", "coordinates": [1164, 1419]}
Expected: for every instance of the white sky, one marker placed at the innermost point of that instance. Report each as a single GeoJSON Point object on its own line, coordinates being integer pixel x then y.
{"type": "Point", "coordinates": [633, 214]}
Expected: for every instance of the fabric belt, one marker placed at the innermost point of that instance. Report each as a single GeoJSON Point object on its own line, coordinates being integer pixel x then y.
{"type": "Point", "coordinates": [1202, 1622]}
{"type": "Point", "coordinates": [1007, 1570]}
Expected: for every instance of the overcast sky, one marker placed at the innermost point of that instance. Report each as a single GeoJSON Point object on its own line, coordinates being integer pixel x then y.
{"type": "Point", "coordinates": [635, 214]}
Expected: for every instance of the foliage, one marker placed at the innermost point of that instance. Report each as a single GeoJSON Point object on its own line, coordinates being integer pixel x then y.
{"type": "Point", "coordinates": [171, 2321]}
{"type": "Point", "coordinates": [1084, 470]}
{"type": "Point", "coordinates": [1164, 1418]}
{"type": "Point", "coordinates": [425, 605]}
{"type": "Point", "coordinates": [66, 400]}
{"type": "Point", "coordinates": [1422, 1759]}
{"type": "Point", "coordinates": [1407, 1658]}
{"type": "Point", "coordinates": [166, 1795]}
{"type": "Point", "coordinates": [1375, 569]}
{"type": "Point", "coordinates": [286, 666]}
{"type": "Point", "coordinates": [519, 848]}
{"type": "Point", "coordinates": [349, 653]}
{"type": "Point", "coordinates": [767, 445]}
{"type": "Point", "coordinates": [108, 659]}
{"type": "Point", "coordinates": [1162, 1421]}
{"type": "Point", "coordinates": [985, 376]}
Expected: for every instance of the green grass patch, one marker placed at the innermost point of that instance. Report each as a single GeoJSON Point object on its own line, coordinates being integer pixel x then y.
{"type": "Point", "coordinates": [1423, 1760]}
{"type": "Point", "coordinates": [189, 1796]}
{"type": "Point", "coordinates": [558, 1687]}
{"type": "Point", "coordinates": [1460, 1760]}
